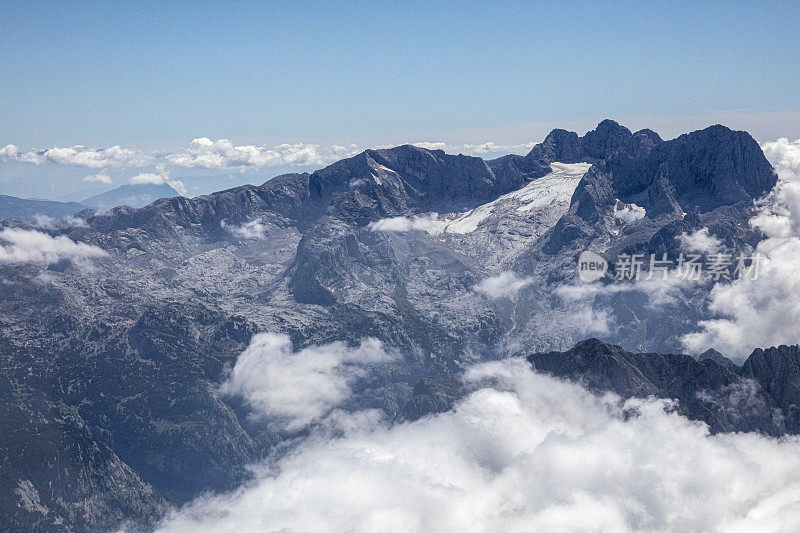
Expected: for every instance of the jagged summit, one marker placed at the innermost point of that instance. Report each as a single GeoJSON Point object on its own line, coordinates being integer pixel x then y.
{"type": "Point", "coordinates": [696, 173]}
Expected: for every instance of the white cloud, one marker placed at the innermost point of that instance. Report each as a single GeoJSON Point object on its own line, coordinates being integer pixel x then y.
{"type": "Point", "coordinates": [179, 187]}
{"type": "Point", "coordinates": [294, 389]}
{"type": "Point", "coordinates": [29, 246]}
{"type": "Point", "coordinates": [158, 178]}
{"type": "Point", "coordinates": [528, 453]}
{"type": "Point", "coordinates": [201, 153]}
{"type": "Point", "coordinates": [250, 230]}
{"type": "Point", "coordinates": [491, 148]}
{"type": "Point", "coordinates": [430, 145]}
{"type": "Point", "coordinates": [783, 154]}
{"type": "Point", "coordinates": [585, 309]}
{"type": "Point", "coordinates": [8, 152]}
{"type": "Point", "coordinates": [222, 153]}
{"type": "Point", "coordinates": [74, 222]}
{"type": "Point", "coordinates": [660, 290]}
{"type": "Point", "coordinates": [758, 312]}
{"type": "Point", "coordinates": [700, 241]}
{"type": "Point", "coordinates": [429, 224]}
{"type": "Point", "coordinates": [99, 178]}
{"type": "Point", "coordinates": [504, 284]}
{"type": "Point", "coordinates": [81, 156]}
{"type": "Point", "coordinates": [148, 178]}
{"type": "Point", "coordinates": [763, 311]}
{"type": "Point", "coordinates": [46, 222]}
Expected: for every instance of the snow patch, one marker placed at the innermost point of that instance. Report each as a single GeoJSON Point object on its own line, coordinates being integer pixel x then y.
{"type": "Point", "coordinates": [628, 213]}
{"type": "Point", "coordinates": [558, 186]}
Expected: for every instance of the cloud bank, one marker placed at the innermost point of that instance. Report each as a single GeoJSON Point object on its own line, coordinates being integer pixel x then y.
{"type": "Point", "coordinates": [700, 241]}
{"type": "Point", "coordinates": [222, 153]}
{"type": "Point", "coordinates": [529, 453]}
{"type": "Point", "coordinates": [80, 156]}
{"type": "Point", "coordinates": [30, 246]}
{"type": "Point", "coordinates": [491, 148]}
{"type": "Point", "coordinates": [46, 222]}
{"type": "Point", "coordinates": [294, 389]}
{"type": "Point", "coordinates": [207, 153]}
{"type": "Point", "coordinates": [148, 178]}
{"type": "Point", "coordinates": [159, 178]}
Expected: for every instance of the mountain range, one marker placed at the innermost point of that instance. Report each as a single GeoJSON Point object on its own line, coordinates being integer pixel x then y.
{"type": "Point", "coordinates": [27, 210]}
{"type": "Point", "coordinates": [111, 374]}
{"type": "Point", "coordinates": [132, 195]}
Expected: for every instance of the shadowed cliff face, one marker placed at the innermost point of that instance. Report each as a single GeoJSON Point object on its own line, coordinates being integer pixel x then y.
{"type": "Point", "coordinates": [120, 361]}
{"type": "Point", "coordinates": [761, 395]}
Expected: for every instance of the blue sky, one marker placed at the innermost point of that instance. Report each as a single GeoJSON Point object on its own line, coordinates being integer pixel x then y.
{"type": "Point", "coordinates": [153, 76]}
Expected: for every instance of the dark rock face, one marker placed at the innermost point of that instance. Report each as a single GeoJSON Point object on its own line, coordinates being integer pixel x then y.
{"type": "Point", "coordinates": [760, 396]}
{"type": "Point", "coordinates": [105, 425]}
{"type": "Point", "coordinates": [777, 371]}
{"type": "Point", "coordinates": [698, 171]}
{"type": "Point", "coordinates": [57, 474]}
{"type": "Point", "coordinates": [285, 200]}
{"type": "Point", "coordinates": [432, 396]}
{"type": "Point", "coordinates": [566, 147]}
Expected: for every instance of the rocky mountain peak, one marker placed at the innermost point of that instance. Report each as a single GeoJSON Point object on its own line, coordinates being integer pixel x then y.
{"type": "Point", "coordinates": [695, 173]}
{"type": "Point", "coordinates": [595, 346]}
{"type": "Point", "coordinates": [713, 355]}
{"type": "Point", "coordinates": [606, 139]}
{"type": "Point", "coordinates": [559, 145]}
{"type": "Point", "coordinates": [568, 147]}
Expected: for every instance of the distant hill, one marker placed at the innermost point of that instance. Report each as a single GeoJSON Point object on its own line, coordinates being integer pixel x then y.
{"type": "Point", "coordinates": [130, 195]}
{"type": "Point", "coordinates": [27, 209]}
